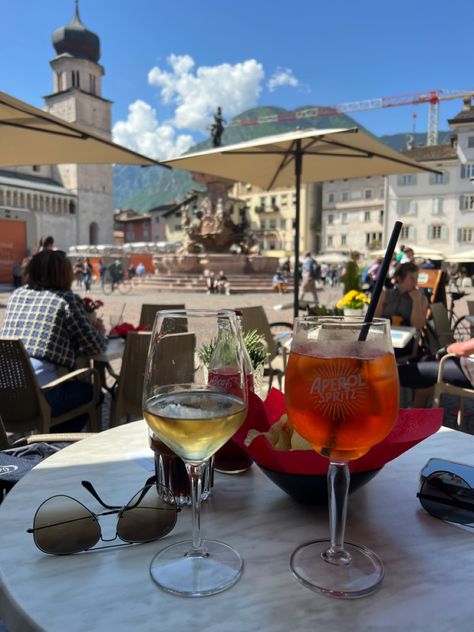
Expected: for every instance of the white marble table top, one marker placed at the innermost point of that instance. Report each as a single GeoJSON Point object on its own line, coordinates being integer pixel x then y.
{"type": "Point", "coordinates": [429, 564]}
{"type": "Point", "coordinates": [113, 351]}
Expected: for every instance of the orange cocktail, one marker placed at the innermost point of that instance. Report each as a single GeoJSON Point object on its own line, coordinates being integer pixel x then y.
{"type": "Point", "coordinates": [342, 396]}
{"type": "Point", "coordinates": [343, 406]}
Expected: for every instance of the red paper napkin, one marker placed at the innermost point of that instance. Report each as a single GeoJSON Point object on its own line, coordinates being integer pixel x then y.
{"type": "Point", "coordinates": [412, 426]}
{"type": "Point", "coordinates": [120, 331]}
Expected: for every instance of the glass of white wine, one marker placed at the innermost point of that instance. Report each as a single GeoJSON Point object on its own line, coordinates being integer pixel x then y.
{"type": "Point", "coordinates": [194, 400]}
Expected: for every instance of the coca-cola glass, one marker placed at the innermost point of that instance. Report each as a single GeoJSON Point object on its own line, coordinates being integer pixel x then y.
{"type": "Point", "coordinates": [194, 400]}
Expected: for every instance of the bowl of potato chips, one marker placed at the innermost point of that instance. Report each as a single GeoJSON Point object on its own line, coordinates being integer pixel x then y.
{"type": "Point", "coordinates": [309, 488]}
{"type": "Point", "coordinates": [288, 460]}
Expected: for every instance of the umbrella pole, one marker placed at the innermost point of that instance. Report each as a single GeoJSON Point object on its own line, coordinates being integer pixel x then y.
{"type": "Point", "coordinates": [298, 164]}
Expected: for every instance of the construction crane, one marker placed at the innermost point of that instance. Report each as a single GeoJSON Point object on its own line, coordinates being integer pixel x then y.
{"type": "Point", "coordinates": [432, 97]}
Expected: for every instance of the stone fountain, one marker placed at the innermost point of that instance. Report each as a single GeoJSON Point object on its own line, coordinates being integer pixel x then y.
{"type": "Point", "coordinates": [213, 241]}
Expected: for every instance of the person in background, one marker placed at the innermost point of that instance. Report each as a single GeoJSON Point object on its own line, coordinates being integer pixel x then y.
{"type": "Point", "coordinates": [309, 272]}
{"type": "Point", "coordinates": [223, 285]}
{"type": "Point", "coordinates": [399, 256]}
{"type": "Point", "coordinates": [279, 282]}
{"type": "Point", "coordinates": [211, 283]}
{"type": "Point", "coordinates": [78, 271]}
{"type": "Point", "coordinates": [17, 272]}
{"type": "Point", "coordinates": [404, 305]}
{"type": "Point", "coordinates": [350, 275]}
{"type": "Point", "coordinates": [87, 274]}
{"type": "Point", "coordinates": [373, 272]}
{"type": "Point", "coordinates": [324, 273]}
{"type": "Point", "coordinates": [428, 264]}
{"type": "Point", "coordinates": [52, 323]}
{"type": "Point", "coordinates": [116, 273]}
{"type": "Point", "coordinates": [102, 271]}
{"type": "Point", "coordinates": [285, 266]}
{"type": "Point", "coordinates": [131, 271]}
{"type": "Point", "coordinates": [46, 243]}
{"type": "Point", "coordinates": [422, 376]}
{"type": "Point", "coordinates": [408, 255]}
{"type": "Point", "coordinates": [140, 270]}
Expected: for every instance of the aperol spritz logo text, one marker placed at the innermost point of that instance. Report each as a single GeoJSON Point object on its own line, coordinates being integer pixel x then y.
{"type": "Point", "coordinates": [339, 394]}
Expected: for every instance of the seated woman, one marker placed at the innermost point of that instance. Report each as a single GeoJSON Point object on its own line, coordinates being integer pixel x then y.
{"type": "Point", "coordinates": [405, 305]}
{"type": "Point", "coordinates": [422, 376]}
{"type": "Point", "coordinates": [53, 325]}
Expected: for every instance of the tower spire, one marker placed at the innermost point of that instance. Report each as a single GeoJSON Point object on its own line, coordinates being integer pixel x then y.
{"type": "Point", "coordinates": [77, 9]}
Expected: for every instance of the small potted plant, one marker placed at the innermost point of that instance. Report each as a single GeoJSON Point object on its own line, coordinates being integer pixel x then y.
{"type": "Point", "coordinates": [353, 303]}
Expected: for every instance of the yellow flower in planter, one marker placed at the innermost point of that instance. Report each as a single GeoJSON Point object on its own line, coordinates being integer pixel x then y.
{"type": "Point", "coordinates": [353, 300]}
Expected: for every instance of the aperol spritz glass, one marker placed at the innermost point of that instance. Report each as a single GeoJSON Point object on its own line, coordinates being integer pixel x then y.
{"type": "Point", "coordinates": [342, 395]}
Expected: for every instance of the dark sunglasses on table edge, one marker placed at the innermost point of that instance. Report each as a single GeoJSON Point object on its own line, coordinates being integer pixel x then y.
{"type": "Point", "coordinates": [451, 500]}
{"type": "Point", "coordinates": [169, 508]}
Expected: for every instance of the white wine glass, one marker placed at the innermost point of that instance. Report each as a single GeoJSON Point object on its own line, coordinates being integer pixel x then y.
{"type": "Point", "coordinates": [341, 389]}
{"type": "Point", "coordinates": [194, 400]}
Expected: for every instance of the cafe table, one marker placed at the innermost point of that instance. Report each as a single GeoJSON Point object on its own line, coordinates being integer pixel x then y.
{"type": "Point", "coordinates": [429, 564]}
{"type": "Point", "coordinates": [101, 361]}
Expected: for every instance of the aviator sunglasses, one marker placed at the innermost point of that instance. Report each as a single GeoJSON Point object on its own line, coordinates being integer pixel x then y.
{"type": "Point", "coordinates": [447, 496]}
{"type": "Point", "coordinates": [62, 525]}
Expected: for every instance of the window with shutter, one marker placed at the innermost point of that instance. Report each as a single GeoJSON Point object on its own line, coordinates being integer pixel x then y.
{"type": "Point", "coordinates": [438, 206]}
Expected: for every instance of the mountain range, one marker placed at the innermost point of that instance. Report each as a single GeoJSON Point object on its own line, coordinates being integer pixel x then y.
{"type": "Point", "coordinates": [145, 188]}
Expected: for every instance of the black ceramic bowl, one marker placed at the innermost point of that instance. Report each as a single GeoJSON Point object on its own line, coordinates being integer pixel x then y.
{"type": "Point", "coordinates": [312, 489]}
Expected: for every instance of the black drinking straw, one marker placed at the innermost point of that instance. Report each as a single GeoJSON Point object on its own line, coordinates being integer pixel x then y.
{"type": "Point", "coordinates": [397, 227]}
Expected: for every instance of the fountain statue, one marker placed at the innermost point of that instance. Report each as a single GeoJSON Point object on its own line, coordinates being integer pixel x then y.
{"type": "Point", "coordinates": [212, 240]}
{"type": "Point", "coordinates": [210, 228]}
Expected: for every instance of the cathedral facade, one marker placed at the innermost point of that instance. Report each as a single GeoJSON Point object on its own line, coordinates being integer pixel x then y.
{"type": "Point", "coordinates": [74, 203]}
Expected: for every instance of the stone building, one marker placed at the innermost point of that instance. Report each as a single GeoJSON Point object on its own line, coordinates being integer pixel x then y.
{"type": "Point", "coordinates": [353, 214]}
{"type": "Point", "coordinates": [272, 213]}
{"type": "Point", "coordinates": [71, 202]}
{"type": "Point", "coordinates": [437, 210]}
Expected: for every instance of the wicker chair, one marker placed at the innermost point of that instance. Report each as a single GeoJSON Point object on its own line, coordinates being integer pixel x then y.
{"type": "Point", "coordinates": [127, 400]}
{"type": "Point", "coordinates": [8, 440]}
{"type": "Point", "coordinates": [22, 403]}
{"type": "Point", "coordinates": [148, 313]}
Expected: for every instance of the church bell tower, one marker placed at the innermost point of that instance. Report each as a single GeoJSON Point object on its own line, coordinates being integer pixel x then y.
{"type": "Point", "coordinates": [77, 98]}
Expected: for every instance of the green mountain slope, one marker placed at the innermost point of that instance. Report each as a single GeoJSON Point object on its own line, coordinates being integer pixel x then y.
{"type": "Point", "coordinates": [145, 188]}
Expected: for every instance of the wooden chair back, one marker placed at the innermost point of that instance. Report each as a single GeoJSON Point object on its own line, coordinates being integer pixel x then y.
{"type": "Point", "coordinates": [128, 397]}
{"type": "Point", "coordinates": [255, 318]}
{"type": "Point", "coordinates": [148, 313]}
{"type": "Point", "coordinates": [442, 326]}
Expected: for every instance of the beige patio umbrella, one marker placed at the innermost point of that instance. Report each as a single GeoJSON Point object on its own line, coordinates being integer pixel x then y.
{"type": "Point", "coordinates": [29, 136]}
{"type": "Point", "coordinates": [294, 158]}
{"type": "Point", "coordinates": [420, 251]}
{"type": "Point", "coordinates": [461, 257]}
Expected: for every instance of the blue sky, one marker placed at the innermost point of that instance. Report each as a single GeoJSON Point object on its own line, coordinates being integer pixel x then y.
{"type": "Point", "coordinates": [169, 64]}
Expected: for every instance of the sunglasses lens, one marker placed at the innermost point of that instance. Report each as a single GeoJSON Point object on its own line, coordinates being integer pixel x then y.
{"type": "Point", "coordinates": [63, 526]}
{"type": "Point", "coordinates": [447, 496]}
{"type": "Point", "coordinates": [146, 517]}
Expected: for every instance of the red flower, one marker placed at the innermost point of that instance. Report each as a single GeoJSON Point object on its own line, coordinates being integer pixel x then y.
{"type": "Point", "coordinates": [90, 305]}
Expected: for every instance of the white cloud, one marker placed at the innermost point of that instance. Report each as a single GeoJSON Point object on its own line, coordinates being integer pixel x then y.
{"type": "Point", "coordinates": [282, 77]}
{"type": "Point", "coordinates": [197, 92]}
{"type": "Point", "coordinates": [143, 133]}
